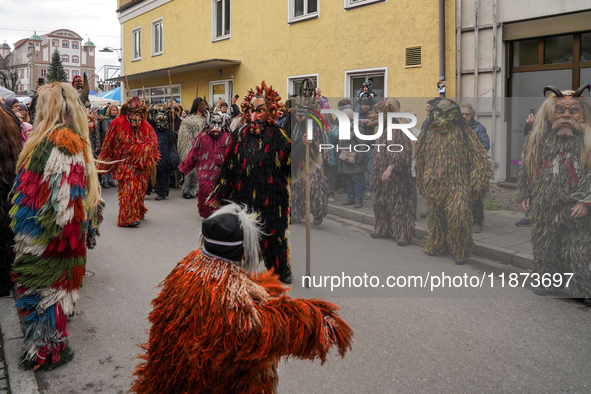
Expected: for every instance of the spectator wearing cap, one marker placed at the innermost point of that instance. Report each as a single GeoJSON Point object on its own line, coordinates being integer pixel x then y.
{"type": "Point", "coordinates": [26, 129]}
{"type": "Point", "coordinates": [12, 103]}
{"type": "Point", "coordinates": [366, 91]}
{"type": "Point", "coordinates": [25, 112]}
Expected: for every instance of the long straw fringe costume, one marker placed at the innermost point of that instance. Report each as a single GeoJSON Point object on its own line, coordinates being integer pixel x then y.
{"type": "Point", "coordinates": [218, 330]}
{"type": "Point", "coordinates": [453, 170]}
{"type": "Point", "coordinates": [52, 230]}
{"type": "Point", "coordinates": [318, 185]}
{"type": "Point", "coordinates": [191, 126]}
{"type": "Point", "coordinates": [561, 243]}
{"type": "Point", "coordinates": [392, 205]}
{"type": "Point", "coordinates": [139, 152]}
{"type": "Point", "coordinates": [556, 177]}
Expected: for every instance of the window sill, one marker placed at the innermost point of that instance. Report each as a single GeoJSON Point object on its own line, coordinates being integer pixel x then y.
{"type": "Point", "coordinates": [136, 60]}
{"type": "Point", "coordinates": [157, 54]}
{"type": "Point", "coordinates": [363, 3]}
{"type": "Point", "coordinates": [222, 38]}
{"type": "Point", "coordinates": [303, 18]}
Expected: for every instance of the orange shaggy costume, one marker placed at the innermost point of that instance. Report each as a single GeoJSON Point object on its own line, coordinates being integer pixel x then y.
{"type": "Point", "coordinates": [217, 329]}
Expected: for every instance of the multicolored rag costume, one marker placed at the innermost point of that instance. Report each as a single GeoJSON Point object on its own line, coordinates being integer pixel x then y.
{"type": "Point", "coordinates": [161, 121]}
{"type": "Point", "coordinates": [556, 180]}
{"type": "Point", "coordinates": [52, 230]}
{"type": "Point", "coordinates": [132, 144]}
{"type": "Point", "coordinates": [453, 170]}
{"type": "Point", "coordinates": [207, 155]}
{"type": "Point", "coordinates": [392, 203]}
{"type": "Point", "coordinates": [191, 126]}
{"type": "Point", "coordinates": [219, 329]}
{"type": "Point", "coordinates": [257, 171]}
{"type": "Point", "coordinates": [295, 126]}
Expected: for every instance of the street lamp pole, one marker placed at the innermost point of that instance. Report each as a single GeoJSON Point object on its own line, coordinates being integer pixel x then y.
{"type": "Point", "coordinates": [111, 50]}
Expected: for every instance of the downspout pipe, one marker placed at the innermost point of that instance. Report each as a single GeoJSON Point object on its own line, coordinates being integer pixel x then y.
{"type": "Point", "coordinates": [442, 43]}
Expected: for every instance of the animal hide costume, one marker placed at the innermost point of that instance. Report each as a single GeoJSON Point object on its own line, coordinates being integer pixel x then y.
{"type": "Point", "coordinates": [52, 230]}
{"type": "Point", "coordinates": [133, 145]}
{"type": "Point", "coordinates": [10, 146]}
{"type": "Point", "coordinates": [191, 126]}
{"type": "Point", "coordinates": [392, 204]}
{"type": "Point", "coordinates": [257, 172]}
{"type": "Point", "coordinates": [161, 121]}
{"type": "Point", "coordinates": [453, 170]}
{"type": "Point", "coordinates": [555, 179]}
{"type": "Point", "coordinates": [295, 126]}
{"type": "Point", "coordinates": [207, 155]}
{"type": "Point", "coordinates": [217, 328]}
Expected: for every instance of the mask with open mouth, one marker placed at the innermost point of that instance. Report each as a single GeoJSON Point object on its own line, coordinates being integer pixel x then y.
{"type": "Point", "coordinates": [261, 108]}
{"type": "Point", "coordinates": [569, 115]}
{"type": "Point", "coordinates": [135, 108]}
{"type": "Point", "coordinates": [215, 128]}
{"type": "Point", "coordinates": [444, 116]}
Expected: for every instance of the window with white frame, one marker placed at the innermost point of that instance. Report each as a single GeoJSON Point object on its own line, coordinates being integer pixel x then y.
{"type": "Point", "coordinates": [65, 58]}
{"type": "Point", "coordinates": [74, 59]}
{"type": "Point", "coordinates": [302, 9]}
{"type": "Point", "coordinates": [221, 19]}
{"type": "Point", "coordinates": [295, 83]}
{"type": "Point", "coordinates": [75, 73]}
{"type": "Point", "coordinates": [354, 81]}
{"type": "Point", "coordinates": [22, 72]}
{"type": "Point", "coordinates": [65, 44]}
{"type": "Point", "coordinates": [358, 3]}
{"type": "Point", "coordinates": [157, 40]}
{"type": "Point", "coordinates": [55, 43]}
{"type": "Point", "coordinates": [75, 45]}
{"type": "Point", "coordinates": [158, 94]}
{"type": "Point", "coordinates": [43, 72]}
{"type": "Point", "coordinates": [136, 44]}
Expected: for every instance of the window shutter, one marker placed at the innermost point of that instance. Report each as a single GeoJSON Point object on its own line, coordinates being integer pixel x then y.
{"type": "Point", "coordinates": [413, 56]}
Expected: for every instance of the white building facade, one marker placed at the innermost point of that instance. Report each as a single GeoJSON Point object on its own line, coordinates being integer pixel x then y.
{"type": "Point", "coordinates": [514, 49]}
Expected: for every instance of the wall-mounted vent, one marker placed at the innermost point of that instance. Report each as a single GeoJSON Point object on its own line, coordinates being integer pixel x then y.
{"type": "Point", "coordinates": [413, 56]}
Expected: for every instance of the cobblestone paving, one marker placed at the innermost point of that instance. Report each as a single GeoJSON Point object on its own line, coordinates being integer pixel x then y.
{"type": "Point", "coordinates": [4, 386]}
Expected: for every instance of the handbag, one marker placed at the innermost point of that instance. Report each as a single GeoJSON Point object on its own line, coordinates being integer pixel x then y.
{"type": "Point", "coordinates": [348, 157]}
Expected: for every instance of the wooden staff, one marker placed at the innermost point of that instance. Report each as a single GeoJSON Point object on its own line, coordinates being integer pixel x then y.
{"type": "Point", "coordinates": [307, 175]}
{"type": "Point", "coordinates": [126, 87]}
{"type": "Point", "coordinates": [143, 92]}
{"type": "Point", "coordinates": [197, 90]}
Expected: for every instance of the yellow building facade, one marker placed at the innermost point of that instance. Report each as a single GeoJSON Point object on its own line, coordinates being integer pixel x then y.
{"type": "Point", "coordinates": [226, 47]}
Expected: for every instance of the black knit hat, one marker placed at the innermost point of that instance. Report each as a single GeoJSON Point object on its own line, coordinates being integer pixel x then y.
{"type": "Point", "coordinates": [366, 101]}
{"type": "Point", "coordinates": [223, 236]}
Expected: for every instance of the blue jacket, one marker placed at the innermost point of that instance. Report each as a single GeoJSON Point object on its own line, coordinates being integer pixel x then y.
{"type": "Point", "coordinates": [480, 132]}
{"type": "Point", "coordinates": [333, 138]}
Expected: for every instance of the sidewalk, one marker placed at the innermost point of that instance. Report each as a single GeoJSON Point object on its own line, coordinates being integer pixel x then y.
{"type": "Point", "coordinates": [499, 240]}
{"type": "Point", "coordinates": [13, 379]}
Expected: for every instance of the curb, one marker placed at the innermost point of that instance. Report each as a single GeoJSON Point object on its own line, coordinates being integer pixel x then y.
{"type": "Point", "coordinates": [20, 381]}
{"type": "Point", "coordinates": [492, 252]}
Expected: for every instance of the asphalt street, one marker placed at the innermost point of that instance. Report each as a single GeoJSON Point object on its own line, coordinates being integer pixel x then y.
{"type": "Point", "coordinates": [407, 340]}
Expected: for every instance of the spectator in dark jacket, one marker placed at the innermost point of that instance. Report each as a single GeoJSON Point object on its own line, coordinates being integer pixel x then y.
{"type": "Point", "coordinates": [112, 112]}
{"type": "Point", "coordinates": [353, 173]}
{"type": "Point", "coordinates": [469, 114]}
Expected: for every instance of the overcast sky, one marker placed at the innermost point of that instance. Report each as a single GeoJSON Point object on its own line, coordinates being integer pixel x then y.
{"type": "Point", "coordinates": [96, 19]}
